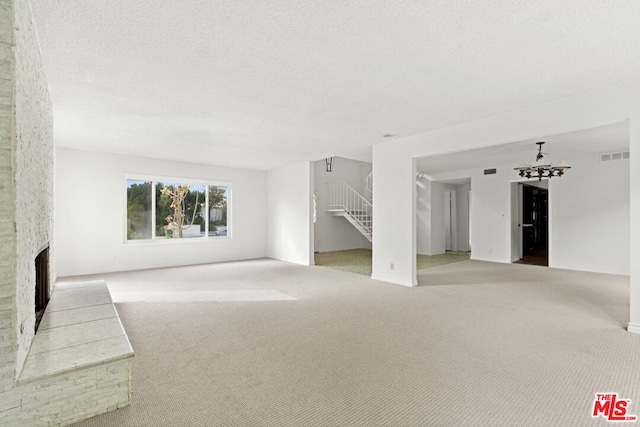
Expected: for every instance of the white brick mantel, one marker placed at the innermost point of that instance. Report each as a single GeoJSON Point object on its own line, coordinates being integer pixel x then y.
{"type": "Point", "coordinates": [43, 394]}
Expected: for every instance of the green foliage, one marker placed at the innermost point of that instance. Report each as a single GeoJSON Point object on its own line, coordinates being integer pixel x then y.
{"type": "Point", "coordinates": [163, 209]}
{"type": "Point", "coordinates": [177, 207]}
{"type": "Point", "coordinates": [218, 200]}
{"type": "Point", "coordinates": [217, 197]}
{"type": "Point", "coordinates": [139, 211]}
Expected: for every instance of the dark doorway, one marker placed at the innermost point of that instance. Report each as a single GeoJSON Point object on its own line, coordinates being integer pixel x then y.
{"type": "Point", "coordinates": [42, 284]}
{"type": "Point", "coordinates": [535, 226]}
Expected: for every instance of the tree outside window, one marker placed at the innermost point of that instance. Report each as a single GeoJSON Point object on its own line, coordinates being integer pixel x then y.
{"type": "Point", "coordinates": [218, 211]}
{"type": "Point", "coordinates": [175, 210]}
{"type": "Point", "coordinates": [138, 209]}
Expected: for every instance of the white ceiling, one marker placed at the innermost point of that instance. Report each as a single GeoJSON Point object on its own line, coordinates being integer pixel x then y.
{"type": "Point", "coordinates": [260, 84]}
{"type": "Point", "coordinates": [599, 140]}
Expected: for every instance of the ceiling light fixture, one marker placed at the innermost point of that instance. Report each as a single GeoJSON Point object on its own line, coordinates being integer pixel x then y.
{"type": "Point", "coordinates": [540, 171]}
{"type": "Point", "coordinates": [328, 164]}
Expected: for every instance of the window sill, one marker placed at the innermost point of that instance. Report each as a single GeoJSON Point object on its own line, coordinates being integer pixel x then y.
{"type": "Point", "coordinates": [162, 241]}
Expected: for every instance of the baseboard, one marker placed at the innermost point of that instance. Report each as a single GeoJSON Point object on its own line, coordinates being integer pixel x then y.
{"type": "Point", "coordinates": [393, 280]}
{"type": "Point", "coordinates": [588, 269]}
{"type": "Point", "coordinates": [140, 267]}
{"type": "Point", "coordinates": [634, 328]}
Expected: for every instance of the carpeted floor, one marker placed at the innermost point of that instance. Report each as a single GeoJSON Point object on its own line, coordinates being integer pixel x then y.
{"type": "Point", "coordinates": [359, 260]}
{"type": "Point", "coordinates": [266, 343]}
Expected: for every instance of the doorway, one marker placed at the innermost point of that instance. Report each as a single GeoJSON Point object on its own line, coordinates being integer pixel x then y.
{"type": "Point", "coordinates": [450, 223]}
{"type": "Point", "coordinates": [534, 225]}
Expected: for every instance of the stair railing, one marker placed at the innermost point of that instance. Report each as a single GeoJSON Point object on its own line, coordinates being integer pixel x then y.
{"type": "Point", "coordinates": [368, 186]}
{"type": "Point", "coordinates": [359, 209]}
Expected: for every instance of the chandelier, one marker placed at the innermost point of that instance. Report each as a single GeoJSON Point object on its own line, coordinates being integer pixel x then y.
{"type": "Point", "coordinates": [540, 170]}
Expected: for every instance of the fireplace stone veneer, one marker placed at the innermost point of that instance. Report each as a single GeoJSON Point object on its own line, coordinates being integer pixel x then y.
{"type": "Point", "coordinates": [42, 381]}
{"type": "Point", "coordinates": [78, 365]}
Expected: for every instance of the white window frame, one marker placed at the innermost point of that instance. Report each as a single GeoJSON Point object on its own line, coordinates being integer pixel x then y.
{"type": "Point", "coordinates": [191, 181]}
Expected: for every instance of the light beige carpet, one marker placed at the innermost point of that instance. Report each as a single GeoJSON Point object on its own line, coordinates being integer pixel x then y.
{"type": "Point", "coordinates": [359, 260]}
{"type": "Point", "coordinates": [266, 343]}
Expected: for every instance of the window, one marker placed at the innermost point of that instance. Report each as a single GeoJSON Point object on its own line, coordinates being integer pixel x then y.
{"type": "Point", "coordinates": [138, 209]}
{"type": "Point", "coordinates": [172, 209]}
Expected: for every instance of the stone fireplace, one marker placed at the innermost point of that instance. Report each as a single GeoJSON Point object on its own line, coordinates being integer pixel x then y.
{"type": "Point", "coordinates": [30, 392]}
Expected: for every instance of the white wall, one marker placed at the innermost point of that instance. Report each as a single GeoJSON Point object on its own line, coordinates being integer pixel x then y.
{"type": "Point", "coordinates": [590, 203]}
{"type": "Point", "coordinates": [430, 215]}
{"type": "Point", "coordinates": [490, 215]}
{"type": "Point", "coordinates": [634, 288]}
{"type": "Point", "coordinates": [394, 163]}
{"type": "Point", "coordinates": [90, 215]}
{"type": "Point", "coordinates": [437, 236]}
{"type": "Point", "coordinates": [289, 228]}
{"type": "Point", "coordinates": [334, 233]}
{"type": "Point", "coordinates": [462, 192]}
{"type": "Point", "coordinates": [589, 210]}
{"type": "Point", "coordinates": [423, 214]}
{"type": "Point", "coordinates": [394, 216]}
{"type": "Point", "coordinates": [516, 197]}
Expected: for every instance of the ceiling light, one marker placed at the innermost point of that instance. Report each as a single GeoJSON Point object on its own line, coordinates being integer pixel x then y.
{"type": "Point", "coordinates": [539, 170]}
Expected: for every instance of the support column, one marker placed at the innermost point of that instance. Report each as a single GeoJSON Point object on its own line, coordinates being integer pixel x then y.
{"type": "Point", "coordinates": [394, 217]}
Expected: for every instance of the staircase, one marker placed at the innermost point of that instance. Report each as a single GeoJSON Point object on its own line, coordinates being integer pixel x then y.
{"type": "Point", "coordinates": [344, 201]}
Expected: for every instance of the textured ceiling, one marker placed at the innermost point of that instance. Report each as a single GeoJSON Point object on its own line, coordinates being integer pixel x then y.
{"type": "Point", "coordinates": [260, 84]}
{"type": "Point", "coordinates": [595, 141]}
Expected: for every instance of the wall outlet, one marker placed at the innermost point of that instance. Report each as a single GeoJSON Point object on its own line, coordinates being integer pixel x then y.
{"type": "Point", "coordinates": [391, 266]}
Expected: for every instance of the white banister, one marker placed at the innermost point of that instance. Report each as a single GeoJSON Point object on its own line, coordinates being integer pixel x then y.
{"type": "Point", "coordinates": [345, 200]}
{"type": "Point", "coordinates": [368, 186]}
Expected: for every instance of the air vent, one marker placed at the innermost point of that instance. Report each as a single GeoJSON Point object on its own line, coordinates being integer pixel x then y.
{"type": "Point", "coordinates": [606, 157]}
{"type": "Point", "coordinates": [490, 171]}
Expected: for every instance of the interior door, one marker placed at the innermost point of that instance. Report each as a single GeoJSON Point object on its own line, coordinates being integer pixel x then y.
{"type": "Point", "coordinates": [528, 218]}
{"type": "Point", "coordinates": [535, 224]}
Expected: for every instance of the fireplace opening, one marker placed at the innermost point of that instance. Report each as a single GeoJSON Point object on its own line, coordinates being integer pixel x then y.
{"type": "Point", "coordinates": [42, 284]}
